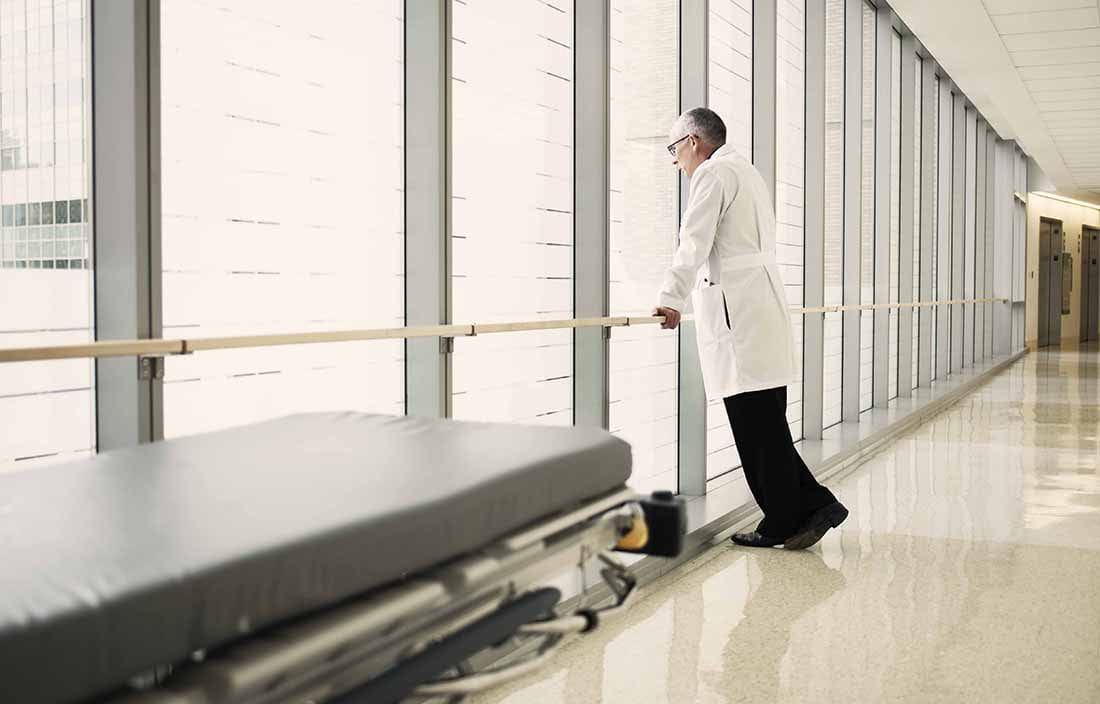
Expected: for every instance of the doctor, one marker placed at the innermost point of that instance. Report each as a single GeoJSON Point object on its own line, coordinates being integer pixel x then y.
{"type": "Point", "coordinates": [726, 255]}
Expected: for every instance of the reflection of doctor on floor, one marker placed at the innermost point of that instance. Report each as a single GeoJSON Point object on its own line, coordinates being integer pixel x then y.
{"type": "Point", "coordinates": [789, 589]}
{"type": "Point", "coordinates": [726, 254]}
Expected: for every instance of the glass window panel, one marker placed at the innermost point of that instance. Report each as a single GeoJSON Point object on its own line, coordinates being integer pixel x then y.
{"type": "Point", "coordinates": [790, 177]}
{"type": "Point", "coordinates": [729, 72]}
{"type": "Point", "coordinates": [275, 117]}
{"type": "Point", "coordinates": [729, 93]}
{"type": "Point", "coordinates": [867, 215]}
{"type": "Point", "coordinates": [512, 246]}
{"type": "Point", "coordinates": [895, 203]}
{"type": "Point", "coordinates": [834, 210]}
{"type": "Point", "coordinates": [47, 409]}
{"type": "Point", "coordinates": [644, 201]}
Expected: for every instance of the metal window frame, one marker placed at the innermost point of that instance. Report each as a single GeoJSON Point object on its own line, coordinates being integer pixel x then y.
{"type": "Point", "coordinates": [970, 119]}
{"type": "Point", "coordinates": [884, 200]}
{"type": "Point", "coordinates": [691, 446]}
{"type": "Point", "coordinates": [1022, 250]}
{"type": "Point", "coordinates": [945, 202]}
{"type": "Point", "coordinates": [853, 199]}
{"type": "Point", "coordinates": [125, 197]}
{"type": "Point", "coordinates": [958, 227]}
{"type": "Point", "coordinates": [980, 288]}
{"type": "Point", "coordinates": [813, 285]}
{"type": "Point", "coordinates": [928, 173]}
{"type": "Point", "coordinates": [1004, 215]}
{"type": "Point", "coordinates": [428, 191]}
{"type": "Point", "coordinates": [765, 39]}
{"type": "Point", "coordinates": [591, 209]}
{"type": "Point", "coordinates": [992, 249]}
{"type": "Point", "coordinates": [907, 165]}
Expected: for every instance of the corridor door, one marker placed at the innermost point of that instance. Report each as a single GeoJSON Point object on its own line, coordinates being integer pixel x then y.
{"type": "Point", "coordinates": [1050, 282]}
{"type": "Point", "coordinates": [1090, 283]}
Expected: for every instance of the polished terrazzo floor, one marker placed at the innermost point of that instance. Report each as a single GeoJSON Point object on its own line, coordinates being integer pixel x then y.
{"type": "Point", "coordinates": [969, 571]}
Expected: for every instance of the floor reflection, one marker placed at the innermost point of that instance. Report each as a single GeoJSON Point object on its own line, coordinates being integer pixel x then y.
{"type": "Point", "coordinates": [968, 571]}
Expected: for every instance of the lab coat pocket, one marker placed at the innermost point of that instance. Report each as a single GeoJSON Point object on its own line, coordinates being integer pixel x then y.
{"type": "Point", "coordinates": [715, 342]}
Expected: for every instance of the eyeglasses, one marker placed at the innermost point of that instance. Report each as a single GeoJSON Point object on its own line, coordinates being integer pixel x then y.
{"type": "Point", "coordinates": [672, 147]}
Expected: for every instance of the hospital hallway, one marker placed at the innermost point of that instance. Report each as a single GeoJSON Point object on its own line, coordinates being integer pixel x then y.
{"type": "Point", "coordinates": [968, 571]}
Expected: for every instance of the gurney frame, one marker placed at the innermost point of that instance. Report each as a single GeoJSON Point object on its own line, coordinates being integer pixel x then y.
{"type": "Point", "coordinates": [414, 639]}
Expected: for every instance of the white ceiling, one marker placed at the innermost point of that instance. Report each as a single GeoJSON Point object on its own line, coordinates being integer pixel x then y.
{"type": "Point", "coordinates": [1033, 69]}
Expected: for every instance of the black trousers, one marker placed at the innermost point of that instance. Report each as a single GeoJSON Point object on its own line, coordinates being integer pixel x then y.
{"type": "Point", "coordinates": [778, 478]}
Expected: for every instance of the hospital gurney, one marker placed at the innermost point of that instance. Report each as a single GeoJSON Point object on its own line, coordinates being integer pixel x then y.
{"type": "Point", "coordinates": [337, 557]}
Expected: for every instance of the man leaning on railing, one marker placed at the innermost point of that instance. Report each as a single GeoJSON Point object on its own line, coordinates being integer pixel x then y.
{"type": "Point", "coordinates": [726, 254]}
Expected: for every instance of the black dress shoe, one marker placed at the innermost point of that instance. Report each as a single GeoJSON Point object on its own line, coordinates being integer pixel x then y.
{"type": "Point", "coordinates": [819, 523]}
{"type": "Point", "coordinates": [755, 540]}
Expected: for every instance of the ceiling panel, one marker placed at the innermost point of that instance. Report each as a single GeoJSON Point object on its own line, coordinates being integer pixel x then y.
{"type": "Point", "coordinates": [1050, 21]}
{"type": "Point", "coordinates": [1060, 105]}
{"type": "Point", "coordinates": [1081, 115]}
{"type": "Point", "coordinates": [1045, 95]}
{"type": "Point", "coordinates": [1002, 7]}
{"type": "Point", "coordinates": [1067, 39]}
{"type": "Point", "coordinates": [1057, 57]}
{"type": "Point", "coordinates": [1031, 74]}
{"type": "Point", "coordinates": [1043, 87]}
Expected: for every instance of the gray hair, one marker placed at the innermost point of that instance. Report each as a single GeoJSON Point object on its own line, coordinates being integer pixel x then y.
{"type": "Point", "coordinates": [703, 123]}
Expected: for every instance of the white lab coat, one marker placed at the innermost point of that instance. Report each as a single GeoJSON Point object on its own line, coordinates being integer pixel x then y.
{"type": "Point", "coordinates": [727, 251]}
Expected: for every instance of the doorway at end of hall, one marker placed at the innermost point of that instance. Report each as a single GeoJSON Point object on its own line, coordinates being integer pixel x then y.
{"type": "Point", "coordinates": [1090, 283]}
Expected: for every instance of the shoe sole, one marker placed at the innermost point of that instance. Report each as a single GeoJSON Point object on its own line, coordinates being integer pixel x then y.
{"type": "Point", "coordinates": [744, 545]}
{"type": "Point", "coordinates": [825, 518]}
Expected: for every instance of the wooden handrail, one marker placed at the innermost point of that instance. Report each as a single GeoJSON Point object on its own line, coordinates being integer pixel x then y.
{"type": "Point", "coordinates": [161, 347]}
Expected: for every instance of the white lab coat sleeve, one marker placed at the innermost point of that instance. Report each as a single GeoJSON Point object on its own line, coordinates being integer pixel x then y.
{"type": "Point", "coordinates": [697, 232]}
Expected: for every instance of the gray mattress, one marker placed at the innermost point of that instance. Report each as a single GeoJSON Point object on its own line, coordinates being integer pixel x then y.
{"type": "Point", "coordinates": [137, 557]}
